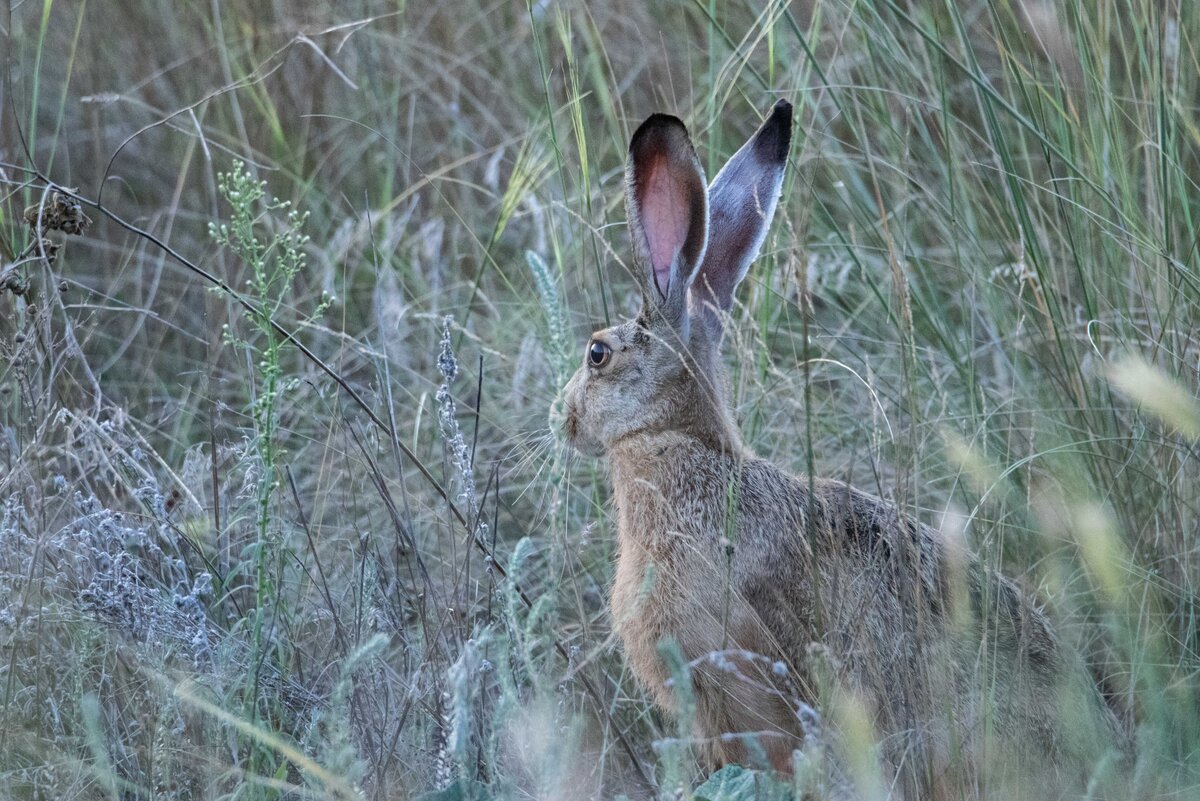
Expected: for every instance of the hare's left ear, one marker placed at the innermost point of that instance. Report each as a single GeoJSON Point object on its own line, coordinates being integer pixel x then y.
{"type": "Point", "coordinates": [742, 202]}
{"type": "Point", "coordinates": [667, 205]}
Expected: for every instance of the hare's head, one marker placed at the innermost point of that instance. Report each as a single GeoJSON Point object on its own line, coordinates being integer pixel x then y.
{"type": "Point", "coordinates": [692, 246]}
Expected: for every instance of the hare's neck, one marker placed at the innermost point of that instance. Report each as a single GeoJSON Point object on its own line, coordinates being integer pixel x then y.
{"type": "Point", "coordinates": [664, 486]}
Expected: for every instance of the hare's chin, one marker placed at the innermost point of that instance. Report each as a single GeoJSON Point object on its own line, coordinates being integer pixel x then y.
{"type": "Point", "coordinates": [586, 447]}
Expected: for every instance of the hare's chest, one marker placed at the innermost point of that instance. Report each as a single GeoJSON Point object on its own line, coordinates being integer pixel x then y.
{"type": "Point", "coordinates": [665, 598]}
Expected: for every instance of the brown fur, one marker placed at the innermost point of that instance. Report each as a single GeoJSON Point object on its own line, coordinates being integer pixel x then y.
{"type": "Point", "coordinates": [724, 554]}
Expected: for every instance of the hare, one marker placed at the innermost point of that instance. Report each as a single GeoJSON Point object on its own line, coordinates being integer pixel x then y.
{"type": "Point", "coordinates": [769, 584]}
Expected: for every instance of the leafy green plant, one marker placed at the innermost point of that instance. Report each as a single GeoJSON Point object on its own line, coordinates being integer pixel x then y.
{"type": "Point", "coordinates": [736, 783]}
{"type": "Point", "coordinates": [267, 235]}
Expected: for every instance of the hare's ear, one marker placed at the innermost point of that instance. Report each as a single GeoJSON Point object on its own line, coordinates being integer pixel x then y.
{"type": "Point", "coordinates": [667, 204]}
{"type": "Point", "coordinates": [742, 199]}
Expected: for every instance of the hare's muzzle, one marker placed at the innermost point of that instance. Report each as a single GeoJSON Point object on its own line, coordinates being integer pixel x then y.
{"type": "Point", "coordinates": [574, 419]}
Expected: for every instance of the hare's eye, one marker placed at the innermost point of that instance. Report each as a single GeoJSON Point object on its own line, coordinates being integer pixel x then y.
{"type": "Point", "coordinates": [598, 353]}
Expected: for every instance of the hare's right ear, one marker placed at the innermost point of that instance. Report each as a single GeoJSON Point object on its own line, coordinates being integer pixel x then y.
{"type": "Point", "coordinates": [666, 200]}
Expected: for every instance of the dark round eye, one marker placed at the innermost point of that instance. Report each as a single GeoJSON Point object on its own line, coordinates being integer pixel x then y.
{"type": "Point", "coordinates": [598, 353]}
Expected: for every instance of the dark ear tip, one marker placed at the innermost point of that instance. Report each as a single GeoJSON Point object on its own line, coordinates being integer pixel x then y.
{"type": "Point", "coordinates": [657, 128]}
{"type": "Point", "coordinates": [775, 137]}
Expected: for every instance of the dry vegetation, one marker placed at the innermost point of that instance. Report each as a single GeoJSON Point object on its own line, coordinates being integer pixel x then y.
{"type": "Point", "coordinates": [282, 514]}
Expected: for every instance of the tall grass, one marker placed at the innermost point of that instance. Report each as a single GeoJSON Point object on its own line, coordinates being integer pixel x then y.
{"type": "Point", "coordinates": [979, 299]}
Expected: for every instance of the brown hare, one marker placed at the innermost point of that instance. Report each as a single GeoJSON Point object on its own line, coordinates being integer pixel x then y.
{"type": "Point", "coordinates": [769, 584]}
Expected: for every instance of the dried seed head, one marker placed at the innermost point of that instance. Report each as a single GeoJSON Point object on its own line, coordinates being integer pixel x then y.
{"type": "Point", "coordinates": [14, 282]}
{"type": "Point", "coordinates": [76, 222]}
{"type": "Point", "coordinates": [50, 248]}
{"type": "Point", "coordinates": [62, 213]}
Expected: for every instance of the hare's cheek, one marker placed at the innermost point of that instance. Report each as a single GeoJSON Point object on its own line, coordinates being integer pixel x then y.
{"type": "Point", "coordinates": [575, 385]}
{"type": "Point", "coordinates": [573, 393]}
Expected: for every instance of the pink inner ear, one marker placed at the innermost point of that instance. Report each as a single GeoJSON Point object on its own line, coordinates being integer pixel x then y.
{"type": "Point", "coordinates": [665, 218]}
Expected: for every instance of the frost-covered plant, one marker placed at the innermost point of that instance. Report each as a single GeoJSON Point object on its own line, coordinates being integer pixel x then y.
{"type": "Point", "coordinates": [109, 566]}
{"type": "Point", "coordinates": [458, 699]}
{"type": "Point", "coordinates": [461, 458]}
{"type": "Point", "coordinates": [106, 593]}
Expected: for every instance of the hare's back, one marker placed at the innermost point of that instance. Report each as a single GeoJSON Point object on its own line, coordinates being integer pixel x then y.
{"type": "Point", "coordinates": [914, 622]}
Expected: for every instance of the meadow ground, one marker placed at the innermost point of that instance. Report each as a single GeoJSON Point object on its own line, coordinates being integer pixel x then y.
{"type": "Point", "coordinates": [283, 511]}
